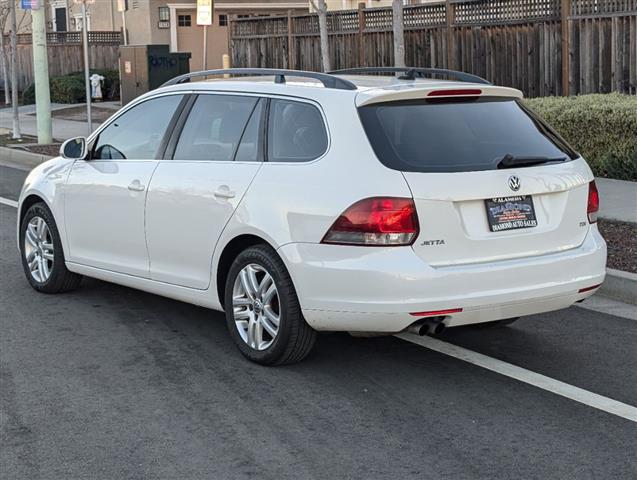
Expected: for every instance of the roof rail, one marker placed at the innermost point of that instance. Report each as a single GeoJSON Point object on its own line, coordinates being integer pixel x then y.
{"type": "Point", "coordinates": [412, 72]}
{"type": "Point", "coordinates": [328, 81]}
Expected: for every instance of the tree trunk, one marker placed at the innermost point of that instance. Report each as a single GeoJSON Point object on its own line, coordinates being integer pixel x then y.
{"type": "Point", "coordinates": [14, 70]}
{"type": "Point", "coordinates": [325, 46]}
{"type": "Point", "coordinates": [399, 34]}
{"type": "Point", "coordinates": [3, 66]}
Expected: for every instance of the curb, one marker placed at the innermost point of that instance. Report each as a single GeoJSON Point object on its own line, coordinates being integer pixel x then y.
{"type": "Point", "coordinates": [28, 159]}
{"type": "Point", "coordinates": [620, 285]}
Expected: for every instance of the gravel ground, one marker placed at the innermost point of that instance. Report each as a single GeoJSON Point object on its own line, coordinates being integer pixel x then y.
{"type": "Point", "coordinates": [52, 149]}
{"type": "Point", "coordinates": [78, 114]}
{"type": "Point", "coordinates": [621, 238]}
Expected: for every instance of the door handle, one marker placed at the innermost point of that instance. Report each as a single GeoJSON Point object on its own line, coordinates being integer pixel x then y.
{"type": "Point", "coordinates": [224, 192]}
{"type": "Point", "coordinates": [136, 186]}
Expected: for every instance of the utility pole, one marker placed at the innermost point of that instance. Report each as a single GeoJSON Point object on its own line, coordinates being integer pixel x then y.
{"type": "Point", "coordinates": [14, 70]}
{"type": "Point", "coordinates": [122, 6]}
{"type": "Point", "coordinates": [86, 69]}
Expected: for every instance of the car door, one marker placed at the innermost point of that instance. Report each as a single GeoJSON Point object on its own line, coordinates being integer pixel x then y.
{"type": "Point", "coordinates": [105, 194]}
{"type": "Point", "coordinates": [216, 150]}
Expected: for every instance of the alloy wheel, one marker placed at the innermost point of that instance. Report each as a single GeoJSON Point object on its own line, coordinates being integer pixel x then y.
{"type": "Point", "coordinates": [38, 249]}
{"type": "Point", "coordinates": [256, 306]}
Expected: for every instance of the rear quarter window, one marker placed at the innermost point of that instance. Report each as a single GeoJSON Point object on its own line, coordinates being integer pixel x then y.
{"type": "Point", "coordinates": [458, 135]}
{"type": "Point", "coordinates": [296, 132]}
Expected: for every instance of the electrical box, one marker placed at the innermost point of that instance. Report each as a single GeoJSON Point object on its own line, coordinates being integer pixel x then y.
{"type": "Point", "coordinates": [146, 67]}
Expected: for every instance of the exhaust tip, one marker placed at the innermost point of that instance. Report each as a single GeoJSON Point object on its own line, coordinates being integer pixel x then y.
{"type": "Point", "coordinates": [428, 326]}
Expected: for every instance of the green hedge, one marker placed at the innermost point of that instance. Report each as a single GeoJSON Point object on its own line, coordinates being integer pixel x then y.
{"type": "Point", "coordinates": [70, 88]}
{"type": "Point", "coordinates": [602, 127]}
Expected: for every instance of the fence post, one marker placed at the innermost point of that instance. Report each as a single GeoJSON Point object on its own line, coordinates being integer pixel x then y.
{"type": "Point", "coordinates": [290, 56]}
{"type": "Point", "coordinates": [450, 14]}
{"type": "Point", "coordinates": [361, 34]}
{"type": "Point", "coordinates": [565, 10]}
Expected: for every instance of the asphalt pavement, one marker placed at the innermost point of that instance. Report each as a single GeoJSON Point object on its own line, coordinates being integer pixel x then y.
{"type": "Point", "coordinates": [111, 383]}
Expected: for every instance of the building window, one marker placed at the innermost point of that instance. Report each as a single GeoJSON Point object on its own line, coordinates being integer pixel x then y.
{"type": "Point", "coordinates": [164, 14]}
{"type": "Point", "coordinates": [223, 20]}
{"type": "Point", "coordinates": [243, 16]}
{"type": "Point", "coordinates": [184, 20]}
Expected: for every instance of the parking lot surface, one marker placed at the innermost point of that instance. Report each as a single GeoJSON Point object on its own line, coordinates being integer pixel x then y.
{"type": "Point", "coordinates": [111, 383]}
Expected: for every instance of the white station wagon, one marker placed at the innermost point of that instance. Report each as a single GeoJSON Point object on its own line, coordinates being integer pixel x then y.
{"type": "Point", "coordinates": [334, 202]}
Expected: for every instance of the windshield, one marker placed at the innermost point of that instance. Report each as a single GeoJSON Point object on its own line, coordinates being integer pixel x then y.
{"type": "Point", "coordinates": [458, 135]}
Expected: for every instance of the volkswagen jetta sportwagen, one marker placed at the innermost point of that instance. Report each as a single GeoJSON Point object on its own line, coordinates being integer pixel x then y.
{"type": "Point", "coordinates": [299, 202]}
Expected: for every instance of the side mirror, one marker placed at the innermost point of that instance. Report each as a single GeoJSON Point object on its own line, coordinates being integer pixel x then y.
{"type": "Point", "coordinates": [74, 148]}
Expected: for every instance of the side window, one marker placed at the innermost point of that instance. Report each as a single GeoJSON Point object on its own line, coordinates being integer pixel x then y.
{"type": "Point", "coordinates": [137, 134]}
{"type": "Point", "coordinates": [249, 150]}
{"type": "Point", "coordinates": [296, 132]}
{"type": "Point", "coordinates": [214, 127]}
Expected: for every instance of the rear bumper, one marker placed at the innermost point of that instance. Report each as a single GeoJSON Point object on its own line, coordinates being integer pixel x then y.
{"type": "Point", "coordinates": [375, 289]}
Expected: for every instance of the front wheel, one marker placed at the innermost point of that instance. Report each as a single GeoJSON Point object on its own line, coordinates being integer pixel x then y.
{"type": "Point", "coordinates": [262, 309]}
{"type": "Point", "coordinates": [42, 254]}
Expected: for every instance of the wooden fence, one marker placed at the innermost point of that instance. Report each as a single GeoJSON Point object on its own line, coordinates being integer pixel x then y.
{"type": "Point", "coordinates": [65, 54]}
{"type": "Point", "coordinates": [518, 43]}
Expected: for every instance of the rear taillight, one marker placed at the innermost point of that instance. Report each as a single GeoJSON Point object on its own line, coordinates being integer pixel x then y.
{"type": "Point", "coordinates": [593, 202]}
{"type": "Point", "coordinates": [379, 221]}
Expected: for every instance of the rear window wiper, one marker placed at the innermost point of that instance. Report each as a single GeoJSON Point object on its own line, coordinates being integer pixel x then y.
{"type": "Point", "coordinates": [511, 161]}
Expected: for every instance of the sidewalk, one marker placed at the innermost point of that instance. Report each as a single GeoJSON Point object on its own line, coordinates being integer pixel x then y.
{"type": "Point", "coordinates": [618, 199]}
{"type": "Point", "coordinates": [62, 129]}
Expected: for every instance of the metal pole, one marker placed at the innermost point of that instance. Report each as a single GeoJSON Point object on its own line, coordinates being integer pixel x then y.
{"type": "Point", "coordinates": [205, 47]}
{"type": "Point", "coordinates": [14, 72]}
{"type": "Point", "coordinates": [124, 27]}
{"type": "Point", "coordinates": [86, 68]}
{"type": "Point", "coordinates": [41, 73]}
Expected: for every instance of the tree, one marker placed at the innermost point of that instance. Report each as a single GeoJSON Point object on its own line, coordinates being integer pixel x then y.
{"type": "Point", "coordinates": [325, 45]}
{"type": "Point", "coordinates": [14, 70]}
{"type": "Point", "coordinates": [4, 13]}
{"type": "Point", "coordinates": [399, 34]}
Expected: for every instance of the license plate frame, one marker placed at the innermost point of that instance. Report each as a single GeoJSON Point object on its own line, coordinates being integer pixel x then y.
{"type": "Point", "coordinates": [510, 213]}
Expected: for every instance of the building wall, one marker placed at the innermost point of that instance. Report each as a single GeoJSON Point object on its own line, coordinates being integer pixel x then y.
{"type": "Point", "coordinates": [190, 38]}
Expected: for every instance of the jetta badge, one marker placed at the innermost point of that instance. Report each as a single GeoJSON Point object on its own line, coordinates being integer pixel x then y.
{"type": "Point", "coordinates": [514, 183]}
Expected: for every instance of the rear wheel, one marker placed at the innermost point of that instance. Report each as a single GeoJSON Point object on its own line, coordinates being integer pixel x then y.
{"type": "Point", "coordinates": [42, 255]}
{"type": "Point", "coordinates": [262, 310]}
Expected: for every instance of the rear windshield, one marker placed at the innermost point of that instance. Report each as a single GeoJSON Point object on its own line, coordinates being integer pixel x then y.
{"type": "Point", "coordinates": [458, 136]}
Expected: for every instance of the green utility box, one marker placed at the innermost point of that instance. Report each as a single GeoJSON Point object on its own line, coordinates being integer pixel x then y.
{"type": "Point", "coordinates": [146, 67]}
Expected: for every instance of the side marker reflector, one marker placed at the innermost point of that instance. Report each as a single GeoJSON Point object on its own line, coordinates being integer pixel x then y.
{"type": "Point", "coordinates": [588, 289]}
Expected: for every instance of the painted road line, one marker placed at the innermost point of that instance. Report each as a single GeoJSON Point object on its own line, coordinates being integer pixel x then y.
{"type": "Point", "coordinates": [6, 201]}
{"type": "Point", "coordinates": [541, 381]}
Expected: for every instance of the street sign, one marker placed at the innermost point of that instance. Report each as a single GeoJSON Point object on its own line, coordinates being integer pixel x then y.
{"type": "Point", "coordinates": [30, 4]}
{"type": "Point", "coordinates": [204, 12]}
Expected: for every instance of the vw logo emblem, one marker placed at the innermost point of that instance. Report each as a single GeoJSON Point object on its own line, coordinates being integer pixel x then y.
{"type": "Point", "coordinates": [514, 183]}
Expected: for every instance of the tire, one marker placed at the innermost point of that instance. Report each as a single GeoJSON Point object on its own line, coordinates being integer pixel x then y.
{"type": "Point", "coordinates": [294, 338]}
{"type": "Point", "coordinates": [50, 276]}
{"type": "Point", "coordinates": [497, 323]}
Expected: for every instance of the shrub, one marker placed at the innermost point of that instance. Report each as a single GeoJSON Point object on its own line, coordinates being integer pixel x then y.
{"type": "Point", "coordinates": [602, 127]}
{"type": "Point", "coordinates": [70, 88]}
